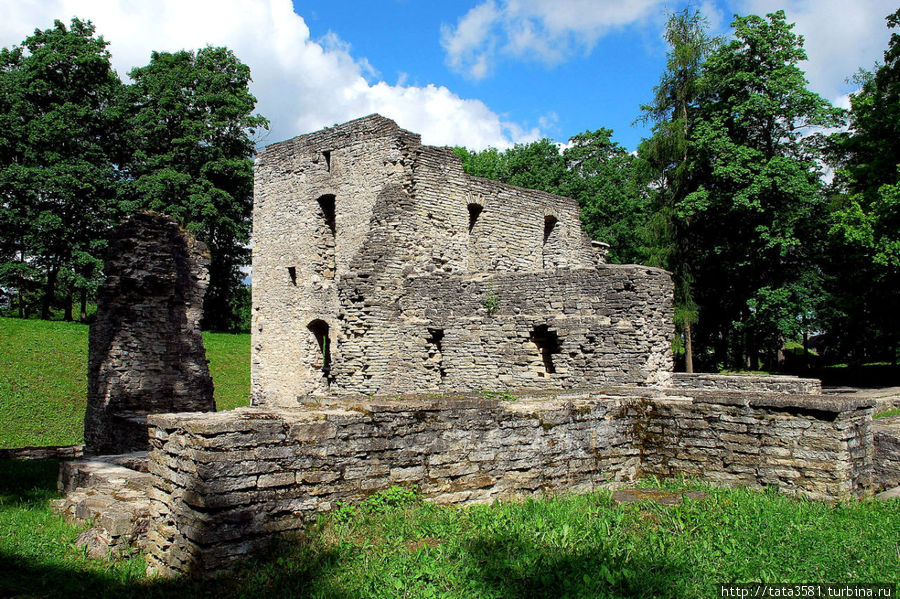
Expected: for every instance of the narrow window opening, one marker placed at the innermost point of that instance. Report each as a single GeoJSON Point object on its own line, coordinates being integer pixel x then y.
{"type": "Point", "coordinates": [327, 155]}
{"type": "Point", "coordinates": [326, 203]}
{"type": "Point", "coordinates": [322, 361]}
{"type": "Point", "coordinates": [550, 248]}
{"type": "Point", "coordinates": [292, 272]}
{"type": "Point", "coordinates": [474, 213]}
{"type": "Point", "coordinates": [435, 359]}
{"type": "Point", "coordinates": [549, 225]}
{"type": "Point", "coordinates": [325, 233]}
{"type": "Point", "coordinates": [547, 342]}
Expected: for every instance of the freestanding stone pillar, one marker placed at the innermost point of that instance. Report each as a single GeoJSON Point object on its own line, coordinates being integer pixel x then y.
{"type": "Point", "coordinates": [146, 354]}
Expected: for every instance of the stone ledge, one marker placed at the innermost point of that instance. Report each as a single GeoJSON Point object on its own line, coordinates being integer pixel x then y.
{"type": "Point", "coordinates": [822, 403]}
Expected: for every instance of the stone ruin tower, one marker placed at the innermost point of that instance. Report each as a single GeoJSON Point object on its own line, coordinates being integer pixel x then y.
{"type": "Point", "coordinates": [380, 267]}
{"type": "Point", "coordinates": [146, 353]}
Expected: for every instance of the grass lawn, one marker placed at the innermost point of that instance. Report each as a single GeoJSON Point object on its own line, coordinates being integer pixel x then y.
{"type": "Point", "coordinates": [395, 545]}
{"type": "Point", "coordinates": [43, 379]}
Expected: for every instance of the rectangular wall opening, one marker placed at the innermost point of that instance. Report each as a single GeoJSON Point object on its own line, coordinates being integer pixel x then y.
{"type": "Point", "coordinates": [550, 248]}
{"type": "Point", "coordinates": [292, 273]}
{"type": "Point", "coordinates": [547, 343]}
{"type": "Point", "coordinates": [325, 235]}
{"type": "Point", "coordinates": [321, 361]}
{"type": "Point", "coordinates": [475, 211]}
{"type": "Point", "coordinates": [435, 359]}
{"type": "Point", "coordinates": [327, 155]}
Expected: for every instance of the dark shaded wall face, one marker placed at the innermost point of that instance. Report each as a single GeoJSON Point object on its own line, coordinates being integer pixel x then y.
{"type": "Point", "coordinates": [146, 351]}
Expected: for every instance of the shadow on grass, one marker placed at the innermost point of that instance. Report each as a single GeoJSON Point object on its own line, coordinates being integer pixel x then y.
{"type": "Point", "coordinates": [57, 569]}
{"type": "Point", "coordinates": [261, 578]}
{"type": "Point", "coordinates": [511, 568]}
{"type": "Point", "coordinates": [504, 566]}
{"type": "Point", "coordinates": [27, 481]}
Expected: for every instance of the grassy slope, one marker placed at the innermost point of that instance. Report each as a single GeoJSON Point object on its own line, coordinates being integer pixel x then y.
{"type": "Point", "coordinates": [43, 379]}
{"type": "Point", "coordinates": [569, 546]}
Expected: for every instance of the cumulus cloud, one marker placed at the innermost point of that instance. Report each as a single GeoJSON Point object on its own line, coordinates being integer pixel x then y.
{"type": "Point", "coordinates": [302, 83]}
{"type": "Point", "coordinates": [840, 36]}
{"type": "Point", "coordinates": [548, 31]}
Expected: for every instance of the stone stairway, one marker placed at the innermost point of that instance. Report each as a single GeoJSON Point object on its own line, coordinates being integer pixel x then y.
{"type": "Point", "coordinates": [111, 492]}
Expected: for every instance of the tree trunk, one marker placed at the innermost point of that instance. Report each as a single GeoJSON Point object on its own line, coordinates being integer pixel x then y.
{"type": "Point", "coordinates": [804, 364]}
{"type": "Point", "coordinates": [83, 301]}
{"type": "Point", "coordinates": [67, 314]}
{"type": "Point", "coordinates": [49, 289]}
{"type": "Point", "coordinates": [688, 347]}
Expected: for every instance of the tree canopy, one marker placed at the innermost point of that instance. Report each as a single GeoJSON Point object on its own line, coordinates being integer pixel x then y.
{"type": "Point", "coordinates": [79, 151]}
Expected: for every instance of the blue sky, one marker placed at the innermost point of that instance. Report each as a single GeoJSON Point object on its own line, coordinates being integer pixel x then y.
{"type": "Point", "coordinates": [474, 73]}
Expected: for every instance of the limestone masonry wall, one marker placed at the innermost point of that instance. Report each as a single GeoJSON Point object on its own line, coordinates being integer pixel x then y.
{"type": "Point", "coordinates": [225, 483]}
{"type": "Point", "coordinates": [146, 352]}
{"type": "Point", "coordinates": [743, 382]}
{"type": "Point", "coordinates": [887, 452]}
{"type": "Point", "coordinates": [359, 228]}
{"type": "Point", "coordinates": [812, 445]}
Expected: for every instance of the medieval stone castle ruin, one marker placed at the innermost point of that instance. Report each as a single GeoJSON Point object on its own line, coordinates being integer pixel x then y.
{"type": "Point", "coordinates": [394, 296]}
{"type": "Point", "coordinates": [381, 267]}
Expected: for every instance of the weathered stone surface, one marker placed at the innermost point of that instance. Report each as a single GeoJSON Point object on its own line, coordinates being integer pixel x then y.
{"type": "Point", "coordinates": [210, 500]}
{"type": "Point", "coordinates": [379, 266]}
{"type": "Point", "coordinates": [770, 383]}
{"type": "Point", "coordinates": [146, 353]}
{"type": "Point", "coordinates": [887, 452]}
{"type": "Point", "coordinates": [112, 493]}
{"type": "Point", "coordinates": [54, 452]}
{"type": "Point", "coordinates": [817, 446]}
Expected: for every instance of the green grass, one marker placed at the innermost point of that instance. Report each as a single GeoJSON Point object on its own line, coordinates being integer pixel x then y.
{"type": "Point", "coordinates": [888, 414]}
{"type": "Point", "coordinates": [229, 364]}
{"type": "Point", "coordinates": [396, 545]}
{"type": "Point", "coordinates": [43, 379]}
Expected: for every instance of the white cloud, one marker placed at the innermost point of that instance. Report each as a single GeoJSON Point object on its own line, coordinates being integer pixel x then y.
{"type": "Point", "coordinates": [548, 31]}
{"type": "Point", "coordinates": [839, 36]}
{"type": "Point", "coordinates": [302, 84]}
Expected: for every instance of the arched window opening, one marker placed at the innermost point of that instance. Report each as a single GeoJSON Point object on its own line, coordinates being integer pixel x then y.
{"type": "Point", "coordinates": [322, 361]}
{"type": "Point", "coordinates": [547, 343]}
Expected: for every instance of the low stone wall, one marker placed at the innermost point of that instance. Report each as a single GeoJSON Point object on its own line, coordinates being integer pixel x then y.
{"type": "Point", "coordinates": [887, 452]}
{"type": "Point", "coordinates": [53, 452]}
{"type": "Point", "coordinates": [225, 483]}
{"type": "Point", "coordinates": [746, 382]}
{"type": "Point", "coordinates": [809, 445]}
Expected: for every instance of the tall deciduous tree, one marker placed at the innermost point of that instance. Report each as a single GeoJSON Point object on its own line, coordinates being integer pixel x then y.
{"type": "Point", "coordinates": [192, 133]}
{"type": "Point", "coordinates": [57, 181]}
{"type": "Point", "coordinates": [669, 152]}
{"type": "Point", "coordinates": [611, 187]}
{"type": "Point", "coordinates": [759, 191]}
{"type": "Point", "coordinates": [865, 257]}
